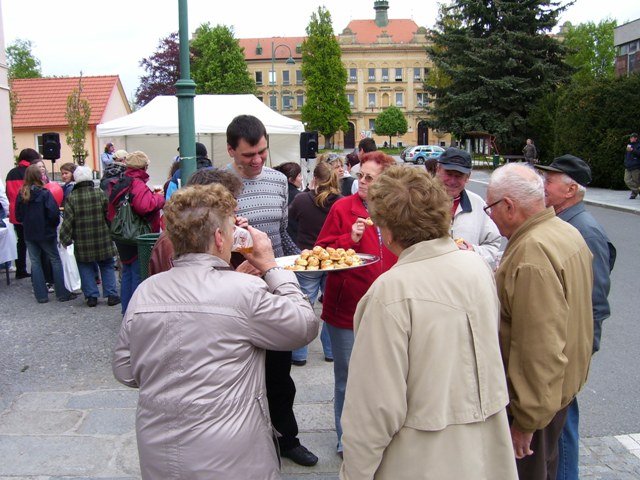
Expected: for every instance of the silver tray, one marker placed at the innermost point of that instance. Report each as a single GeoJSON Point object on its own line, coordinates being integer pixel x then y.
{"type": "Point", "coordinates": [290, 260]}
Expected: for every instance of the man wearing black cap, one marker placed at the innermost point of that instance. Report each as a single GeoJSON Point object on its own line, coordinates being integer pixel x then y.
{"type": "Point", "coordinates": [564, 187]}
{"type": "Point", "coordinates": [470, 227]}
{"type": "Point", "coordinates": [632, 165]}
{"type": "Point", "coordinates": [201, 162]}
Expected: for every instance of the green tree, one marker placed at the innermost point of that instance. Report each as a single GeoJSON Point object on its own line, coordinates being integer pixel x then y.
{"type": "Point", "coordinates": [77, 115]}
{"type": "Point", "coordinates": [500, 59]}
{"type": "Point", "coordinates": [21, 61]}
{"type": "Point", "coordinates": [217, 62]}
{"type": "Point", "coordinates": [326, 108]}
{"type": "Point", "coordinates": [591, 50]}
{"type": "Point", "coordinates": [391, 122]}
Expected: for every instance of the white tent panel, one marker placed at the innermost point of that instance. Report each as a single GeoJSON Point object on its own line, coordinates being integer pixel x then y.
{"type": "Point", "coordinates": [154, 130]}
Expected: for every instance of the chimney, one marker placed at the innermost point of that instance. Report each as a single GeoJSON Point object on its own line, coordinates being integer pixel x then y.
{"type": "Point", "coordinates": [381, 7]}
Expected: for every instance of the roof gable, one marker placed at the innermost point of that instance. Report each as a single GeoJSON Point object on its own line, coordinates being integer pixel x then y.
{"type": "Point", "coordinates": [400, 31]}
{"type": "Point", "coordinates": [42, 102]}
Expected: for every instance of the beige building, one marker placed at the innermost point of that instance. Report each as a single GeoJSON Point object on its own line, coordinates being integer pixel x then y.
{"type": "Point", "coordinates": [6, 150]}
{"type": "Point", "coordinates": [386, 64]}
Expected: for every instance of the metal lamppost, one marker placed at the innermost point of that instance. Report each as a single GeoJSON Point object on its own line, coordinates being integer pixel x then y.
{"type": "Point", "coordinates": [185, 91]}
{"type": "Point", "coordinates": [272, 74]}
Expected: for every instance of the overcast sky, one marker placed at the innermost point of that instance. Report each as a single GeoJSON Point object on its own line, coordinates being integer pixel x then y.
{"type": "Point", "coordinates": [107, 38]}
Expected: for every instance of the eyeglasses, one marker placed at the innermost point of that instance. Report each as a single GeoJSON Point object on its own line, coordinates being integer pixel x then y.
{"type": "Point", "coordinates": [362, 176]}
{"type": "Point", "coordinates": [487, 208]}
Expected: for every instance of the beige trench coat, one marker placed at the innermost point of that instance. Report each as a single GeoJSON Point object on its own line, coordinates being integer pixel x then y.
{"type": "Point", "coordinates": [426, 393]}
{"type": "Point", "coordinates": [193, 340]}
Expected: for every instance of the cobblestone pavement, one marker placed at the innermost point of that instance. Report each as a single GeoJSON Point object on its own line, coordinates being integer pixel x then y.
{"type": "Point", "coordinates": [56, 435]}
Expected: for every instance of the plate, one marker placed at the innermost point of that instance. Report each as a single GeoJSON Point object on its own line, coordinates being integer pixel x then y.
{"type": "Point", "coordinates": [290, 260]}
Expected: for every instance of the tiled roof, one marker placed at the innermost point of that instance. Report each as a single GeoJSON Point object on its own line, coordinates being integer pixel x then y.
{"type": "Point", "coordinates": [42, 102]}
{"type": "Point", "coordinates": [366, 31]}
{"type": "Point", "coordinates": [281, 53]}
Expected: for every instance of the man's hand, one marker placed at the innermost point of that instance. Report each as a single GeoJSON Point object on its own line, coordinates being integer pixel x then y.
{"type": "Point", "coordinates": [521, 443]}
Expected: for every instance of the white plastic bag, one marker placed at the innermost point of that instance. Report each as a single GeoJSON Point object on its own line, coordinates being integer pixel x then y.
{"type": "Point", "coordinates": [70, 268]}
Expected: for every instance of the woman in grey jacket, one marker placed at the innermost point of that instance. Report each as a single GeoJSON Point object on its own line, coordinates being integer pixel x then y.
{"type": "Point", "coordinates": [193, 340]}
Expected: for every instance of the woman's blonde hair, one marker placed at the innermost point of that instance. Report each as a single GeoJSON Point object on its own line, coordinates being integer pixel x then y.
{"type": "Point", "coordinates": [411, 204]}
{"type": "Point", "coordinates": [32, 176]}
{"type": "Point", "coordinates": [194, 213]}
{"type": "Point", "coordinates": [326, 183]}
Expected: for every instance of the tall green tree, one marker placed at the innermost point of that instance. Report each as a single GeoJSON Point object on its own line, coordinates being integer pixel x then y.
{"type": "Point", "coordinates": [21, 61]}
{"type": "Point", "coordinates": [591, 50]}
{"type": "Point", "coordinates": [217, 62]}
{"type": "Point", "coordinates": [326, 108]}
{"type": "Point", "coordinates": [391, 122]}
{"type": "Point", "coordinates": [500, 59]}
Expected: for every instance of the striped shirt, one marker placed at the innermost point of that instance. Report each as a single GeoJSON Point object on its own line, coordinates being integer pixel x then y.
{"type": "Point", "coordinates": [264, 203]}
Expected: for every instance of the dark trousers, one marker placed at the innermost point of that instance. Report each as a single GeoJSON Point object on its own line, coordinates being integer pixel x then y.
{"type": "Point", "coordinates": [21, 261]}
{"type": "Point", "coordinates": [281, 391]}
{"type": "Point", "coordinates": [543, 464]}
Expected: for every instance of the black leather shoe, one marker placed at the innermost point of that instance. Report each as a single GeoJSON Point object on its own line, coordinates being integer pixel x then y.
{"type": "Point", "coordinates": [113, 300]}
{"type": "Point", "coordinates": [301, 456]}
{"type": "Point", "coordinates": [72, 296]}
{"type": "Point", "coordinates": [299, 363]}
{"type": "Point", "coordinates": [92, 302]}
{"type": "Point", "coordinates": [21, 275]}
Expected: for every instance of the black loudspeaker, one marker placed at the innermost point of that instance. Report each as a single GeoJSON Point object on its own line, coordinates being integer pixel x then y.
{"type": "Point", "coordinates": [51, 146]}
{"type": "Point", "coordinates": [308, 144]}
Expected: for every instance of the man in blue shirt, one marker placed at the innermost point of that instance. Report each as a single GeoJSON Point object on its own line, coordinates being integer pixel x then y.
{"type": "Point", "coordinates": [565, 182]}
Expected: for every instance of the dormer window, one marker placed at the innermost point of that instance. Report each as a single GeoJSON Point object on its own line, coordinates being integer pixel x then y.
{"type": "Point", "coordinates": [258, 49]}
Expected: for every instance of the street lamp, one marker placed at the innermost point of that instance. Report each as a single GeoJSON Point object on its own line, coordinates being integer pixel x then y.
{"type": "Point", "coordinates": [272, 74]}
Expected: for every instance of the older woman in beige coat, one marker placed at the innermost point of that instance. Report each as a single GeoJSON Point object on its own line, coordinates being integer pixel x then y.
{"type": "Point", "coordinates": [193, 340]}
{"type": "Point", "coordinates": [426, 394]}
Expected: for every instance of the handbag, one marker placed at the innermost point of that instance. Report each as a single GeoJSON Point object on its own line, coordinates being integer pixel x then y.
{"type": "Point", "coordinates": [127, 225]}
{"type": "Point", "coordinates": [70, 268]}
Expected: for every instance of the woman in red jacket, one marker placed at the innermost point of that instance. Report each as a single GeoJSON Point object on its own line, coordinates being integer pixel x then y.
{"type": "Point", "coordinates": [346, 227]}
{"type": "Point", "coordinates": [146, 204]}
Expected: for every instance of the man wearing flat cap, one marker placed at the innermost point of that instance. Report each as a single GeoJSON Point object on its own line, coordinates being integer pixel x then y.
{"type": "Point", "coordinates": [565, 182]}
{"type": "Point", "coordinates": [471, 227]}
{"type": "Point", "coordinates": [632, 165]}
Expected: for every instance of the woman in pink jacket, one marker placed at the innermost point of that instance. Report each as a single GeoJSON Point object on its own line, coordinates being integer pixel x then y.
{"type": "Point", "coordinates": [346, 227]}
{"type": "Point", "coordinates": [144, 203]}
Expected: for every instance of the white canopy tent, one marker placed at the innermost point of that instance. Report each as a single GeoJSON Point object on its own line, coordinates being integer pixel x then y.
{"type": "Point", "coordinates": [154, 130]}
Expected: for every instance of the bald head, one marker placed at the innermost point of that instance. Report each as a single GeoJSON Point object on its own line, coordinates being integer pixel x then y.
{"type": "Point", "coordinates": [517, 192]}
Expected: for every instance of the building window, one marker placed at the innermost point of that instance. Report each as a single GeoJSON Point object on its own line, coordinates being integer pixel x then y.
{"type": "Point", "coordinates": [286, 102]}
{"type": "Point", "coordinates": [272, 77]}
{"type": "Point", "coordinates": [285, 77]}
{"type": "Point", "coordinates": [372, 74]}
{"type": "Point", "coordinates": [258, 49]}
{"type": "Point", "coordinates": [261, 98]}
{"type": "Point", "coordinates": [39, 144]}
{"type": "Point", "coordinates": [371, 100]}
{"type": "Point", "coordinates": [258, 78]}
{"type": "Point", "coordinates": [633, 46]}
{"type": "Point", "coordinates": [299, 79]}
{"type": "Point", "coordinates": [300, 100]}
{"type": "Point", "coordinates": [422, 100]}
{"type": "Point", "coordinates": [385, 74]}
{"type": "Point", "coordinates": [351, 98]}
{"type": "Point", "coordinates": [398, 74]}
{"type": "Point", "coordinates": [399, 99]}
{"type": "Point", "coordinates": [416, 73]}
{"type": "Point", "coordinates": [273, 101]}
{"type": "Point", "coordinates": [353, 75]}
{"type": "Point", "coordinates": [299, 48]}
{"type": "Point", "coordinates": [372, 124]}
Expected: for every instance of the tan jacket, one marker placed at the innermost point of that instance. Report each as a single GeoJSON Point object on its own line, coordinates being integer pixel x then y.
{"type": "Point", "coordinates": [193, 340]}
{"type": "Point", "coordinates": [426, 388]}
{"type": "Point", "coordinates": [546, 323]}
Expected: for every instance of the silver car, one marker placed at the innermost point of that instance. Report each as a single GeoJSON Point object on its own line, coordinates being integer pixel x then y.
{"type": "Point", "coordinates": [422, 153]}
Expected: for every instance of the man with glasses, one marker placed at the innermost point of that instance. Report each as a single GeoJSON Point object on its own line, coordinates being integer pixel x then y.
{"type": "Point", "coordinates": [544, 286]}
{"type": "Point", "coordinates": [470, 227]}
{"type": "Point", "coordinates": [565, 182]}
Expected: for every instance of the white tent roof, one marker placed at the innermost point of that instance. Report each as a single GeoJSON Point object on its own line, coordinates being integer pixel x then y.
{"type": "Point", "coordinates": [213, 113]}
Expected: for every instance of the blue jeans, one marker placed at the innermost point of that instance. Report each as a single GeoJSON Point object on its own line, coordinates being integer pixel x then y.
{"type": "Point", "coordinates": [569, 445]}
{"type": "Point", "coordinates": [50, 248]}
{"type": "Point", "coordinates": [342, 343]}
{"type": "Point", "coordinates": [129, 282]}
{"type": "Point", "coordinates": [88, 278]}
{"type": "Point", "coordinates": [311, 285]}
